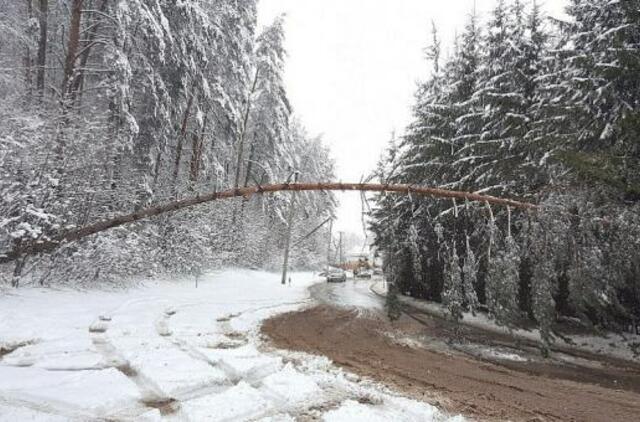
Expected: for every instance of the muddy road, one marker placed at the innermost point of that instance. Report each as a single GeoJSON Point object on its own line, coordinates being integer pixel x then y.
{"type": "Point", "coordinates": [480, 375]}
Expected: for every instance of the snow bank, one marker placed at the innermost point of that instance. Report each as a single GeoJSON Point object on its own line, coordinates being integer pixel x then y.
{"type": "Point", "coordinates": [396, 410]}
{"type": "Point", "coordinates": [611, 344]}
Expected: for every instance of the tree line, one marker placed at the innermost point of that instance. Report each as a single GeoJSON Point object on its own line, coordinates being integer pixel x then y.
{"type": "Point", "coordinates": [538, 109]}
{"type": "Point", "coordinates": [111, 106]}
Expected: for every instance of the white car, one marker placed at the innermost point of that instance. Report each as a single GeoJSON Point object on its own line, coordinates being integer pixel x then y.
{"type": "Point", "coordinates": [364, 274]}
{"type": "Point", "coordinates": [336, 275]}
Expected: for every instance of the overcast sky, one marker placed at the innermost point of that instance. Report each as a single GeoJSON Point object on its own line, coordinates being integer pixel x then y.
{"type": "Point", "coordinates": [352, 70]}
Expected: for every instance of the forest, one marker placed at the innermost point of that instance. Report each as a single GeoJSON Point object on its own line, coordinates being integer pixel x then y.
{"type": "Point", "coordinates": [177, 239]}
{"type": "Point", "coordinates": [109, 107]}
{"type": "Point", "coordinates": [541, 110]}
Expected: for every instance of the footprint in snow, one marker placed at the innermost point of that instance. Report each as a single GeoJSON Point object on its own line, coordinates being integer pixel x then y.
{"type": "Point", "coordinates": [99, 326]}
{"type": "Point", "coordinates": [162, 327]}
{"type": "Point", "coordinates": [227, 344]}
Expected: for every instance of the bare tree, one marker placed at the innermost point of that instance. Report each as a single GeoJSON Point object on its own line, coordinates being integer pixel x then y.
{"type": "Point", "coordinates": [42, 46]}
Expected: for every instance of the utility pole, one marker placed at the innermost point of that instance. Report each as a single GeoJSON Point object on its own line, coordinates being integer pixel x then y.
{"type": "Point", "coordinates": [289, 227]}
{"type": "Point", "coordinates": [329, 245]}
{"type": "Point", "coordinates": [340, 249]}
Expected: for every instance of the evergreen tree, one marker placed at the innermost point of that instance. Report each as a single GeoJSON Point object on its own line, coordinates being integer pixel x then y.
{"type": "Point", "coordinates": [523, 108]}
{"type": "Point", "coordinates": [470, 269]}
{"type": "Point", "coordinates": [601, 85]}
{"type": "Point", "coordinates": [453, 296]}
{"type": "Point", "coordinates": [502, 283]}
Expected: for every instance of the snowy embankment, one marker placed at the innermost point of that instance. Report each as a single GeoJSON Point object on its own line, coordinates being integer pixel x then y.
{"type": "Point", "coordinates": [609, 344]}
{"type": "Point", "coordinates": [169, 350]}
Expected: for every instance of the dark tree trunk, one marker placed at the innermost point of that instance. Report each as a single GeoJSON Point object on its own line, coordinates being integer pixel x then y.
{"type": "Point", "coordinates": [252, 152]}
{"type": "Point", "coordinates": [181, 136]}
{"type": "Point", "coordinates": [42, 46]}
{"type": "Point", "coordinates": [78, 81]}
{"type": "Point", "coordinates": [27, 54]}
{"type": "Point", "coordinates": [197, 147]}
{"type": "Point", "coordinates": [524, 288]}
{"type": "Point", "coordinates": [73, 45]}
{"type": "Point", "coordinates": [243, 130]}
{"type": "Point", "coordinates": [17, 271]}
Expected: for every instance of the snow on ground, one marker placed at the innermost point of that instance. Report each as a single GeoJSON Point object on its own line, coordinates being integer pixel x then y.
{"type": "Point", "coordinates": [611, 344]}
{"type": "Point", "coordinates": [167, 350]}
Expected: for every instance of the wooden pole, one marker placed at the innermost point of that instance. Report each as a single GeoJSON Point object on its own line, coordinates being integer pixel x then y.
{"type": "Point", "coordinates": [29, 247]}
{"type": "Point", "coordinates": [340, 248]}
{"type": "Point", "coordinates": [287, 241]}
{"type": "Point", "coordinates": [329, 245]}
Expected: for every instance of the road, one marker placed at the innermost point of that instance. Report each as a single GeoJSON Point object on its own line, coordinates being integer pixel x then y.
{"type": "Point", "coordinates": [354, 293]}
{"type": "Point", "coordinates": [481, 375]}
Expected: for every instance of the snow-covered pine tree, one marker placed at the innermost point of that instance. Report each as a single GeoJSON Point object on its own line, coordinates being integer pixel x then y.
{"type": "Point", "coordinates": [147, 109]}
{"type": "Point", "coordinates": [268, 134]}
{"type": "Point", "coordinates": [543, 282]}
{"type": "Point", "coordinates": [470, 269]}
{"type": "Point", "coordinates": [600, 83]}
{"type": "Point", "coordinates": [452, 294]}
{"type": "Point", "coordinates": [502, 281]}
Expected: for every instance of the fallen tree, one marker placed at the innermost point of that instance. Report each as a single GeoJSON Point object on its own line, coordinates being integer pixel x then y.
{"type": "Point", "coordinates": [46, 245]}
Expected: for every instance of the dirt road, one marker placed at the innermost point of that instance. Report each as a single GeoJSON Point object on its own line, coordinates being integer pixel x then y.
{"type": "Point", "coordinates": [414, 357]}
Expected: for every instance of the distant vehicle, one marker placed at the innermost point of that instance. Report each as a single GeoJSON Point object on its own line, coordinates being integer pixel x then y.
{"type": "Point", "coordinates": [364, 274]}
{"type": "Point", "coordinates": [336, 275]}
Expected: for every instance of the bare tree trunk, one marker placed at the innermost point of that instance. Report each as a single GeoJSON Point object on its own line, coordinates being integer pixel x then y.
{"type": "Point", "coordinates": [252, 151]}
{"type": "Point", "coordinates": [27, 53]}
{"type": "Point", "coordinates": [42, 46]}
{"type": "Point", "coordinates": [78, 81]}
{"type": "Point", "coordinates": [183, 132]}
{"type": "Point", "coordinates": [73, 45]}
{"type": "Point", "coordinates": [242, 135]}
{"type": "Point", "coordinates": [329, 245]}
{"type": "Point", "coordinates": [243, 130]}
{"type": "Point", "coordinates": [40, 245]}
{"type": "Point", "coordinates": [156, 166]}
{"type": "Point", "coordinates": [197, 147]}
{"type": "Point", "coordinates": [17, 271]}
{"type": "Point", "coordinates": [287, 240]}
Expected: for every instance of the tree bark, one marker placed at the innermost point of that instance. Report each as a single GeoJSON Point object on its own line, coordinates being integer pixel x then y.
{"type": "Point", "coordinates": [243, 130]}
{"type": "Point", "coordinates": [183, 132]}
{"type": "Point", "coordinates": [197, 147]}
{"type": "Point", "coordinates": [27, 53]}
{"type": "Point", "coordinates": [287, 240]}
{"type": "Point", "coordinates": [78, 81]}
{"type": "Point", "coordinates": [17, 271]}
{"type": "Point", "coordinates": [42, 46]}
{"type": "Point", "coordinates": [73, 45]}
{"type": "Point", "coordinates": [252, 151]}
{"type": "Point", "coordinates": [37, 246]}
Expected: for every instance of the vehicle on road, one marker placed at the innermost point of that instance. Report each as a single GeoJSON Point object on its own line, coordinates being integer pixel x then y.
{"type": "Point", "coordinates": [364, 274]}
{"type": "Point", "coordinates": [336, 275]}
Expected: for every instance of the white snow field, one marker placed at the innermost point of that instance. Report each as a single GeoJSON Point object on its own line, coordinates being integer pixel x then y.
{"type": "Point", "coordinates": [166, 350]}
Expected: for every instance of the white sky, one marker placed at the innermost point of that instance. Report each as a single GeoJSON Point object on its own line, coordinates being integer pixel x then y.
{"type": "Point", "coordinates": [352, 70]}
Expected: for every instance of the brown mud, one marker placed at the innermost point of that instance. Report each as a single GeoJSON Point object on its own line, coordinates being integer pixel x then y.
{"type": "Point", "coordinates": [484, 389]}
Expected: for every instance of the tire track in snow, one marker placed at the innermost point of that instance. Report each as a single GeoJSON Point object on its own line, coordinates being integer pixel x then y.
{"type": "Point", "coordinates": [151, 394]}
{"type": "Point", "coordinates": [193, 352]}
{"type": "Point", "coordinates": [50, 407]}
